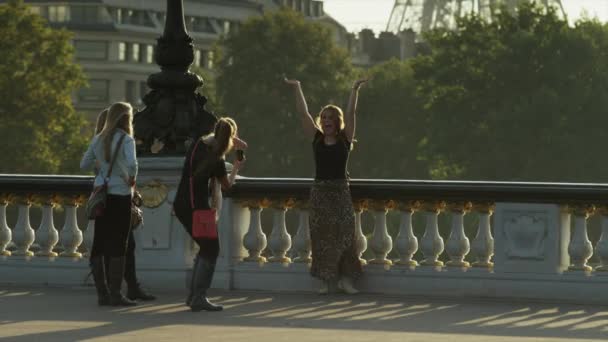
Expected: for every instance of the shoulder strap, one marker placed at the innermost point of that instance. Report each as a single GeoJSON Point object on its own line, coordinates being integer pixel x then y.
{"type": "Point", "coordinates": [191, 175]}
{"type": "Point", "coordinates": [122, 137]}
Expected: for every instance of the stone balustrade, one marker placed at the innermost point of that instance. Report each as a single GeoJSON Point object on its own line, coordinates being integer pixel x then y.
{"type": "Point", "coordinates": [433, 238]}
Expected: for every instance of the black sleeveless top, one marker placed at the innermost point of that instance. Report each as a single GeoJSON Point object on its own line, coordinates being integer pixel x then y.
{"type": "Point", "coordinates": [330, 160]}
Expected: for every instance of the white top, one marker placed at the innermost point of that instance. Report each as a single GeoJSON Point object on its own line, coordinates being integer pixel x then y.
{"type": "Point", "coordinates": [125, 165]}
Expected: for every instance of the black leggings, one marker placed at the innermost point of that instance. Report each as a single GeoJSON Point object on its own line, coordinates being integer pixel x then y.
{"type": "Point", "coordinates": [113, 228]}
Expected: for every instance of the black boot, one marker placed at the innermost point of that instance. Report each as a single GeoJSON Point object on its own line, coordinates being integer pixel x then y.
{"type": "Point", "coordinates": [202, 276]}
{"type": "Point", "coordinates": [99, 277]}
{"type": "Point", "coordinates": [117, 269]}
{"type": "Point", "coordinates": [191, 282]}
{"type": "Point", "coordinates": [134, 290]}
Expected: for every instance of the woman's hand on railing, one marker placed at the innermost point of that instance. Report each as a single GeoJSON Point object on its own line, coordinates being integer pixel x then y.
{"type": "Point", "coordinates": [157, 146]}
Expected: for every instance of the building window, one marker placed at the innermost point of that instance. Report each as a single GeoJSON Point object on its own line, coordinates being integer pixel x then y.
{"type": "Point", "coordinates": [59, 14]}
{"type": "Point", "coordinates": [96, 92]}
{"type": "Point", "coordinates": [35, 10]}
{"type": "Point", "coordinates": [85, 14]}
{"type": "Point", "coordinates": [87, 49]}
{"type": "Point", "coordinates": [226, 27]}
{"type": "Point", "coordinates": [122, 51]}
{"type": "Point", "coordinates": [209, 61]}
{"type": "Point", "coordinates": [197, 58]}
{"type": "Point", "coordinates": [131, 89]}
{"type": "Point", "coordinates": [149, 54]}
{"type": "Point", "coordinates": [135, 53]}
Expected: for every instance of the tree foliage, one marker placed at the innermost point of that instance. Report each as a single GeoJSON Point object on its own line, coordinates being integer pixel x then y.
{"type": "Point", "coordinates": [39, 130]}
{"type": "Point", "coordinates": [390, 125]}
{"type": "Point", "coordinates": [250, 87]}
{"type": "Point", "coordinates": [521, 98]}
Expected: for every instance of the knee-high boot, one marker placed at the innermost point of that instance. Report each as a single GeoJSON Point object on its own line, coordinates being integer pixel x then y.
{"type": "Point", "coordinates": [117, 270]}
{"type": "Point", "coordinates": [191, 282]}
{"type": "Point", "coordinates": [134, 290]}
{"type": "Point", "coordinates": [99, 277]}
{"type": "Point", "coordinates": [202, 276]}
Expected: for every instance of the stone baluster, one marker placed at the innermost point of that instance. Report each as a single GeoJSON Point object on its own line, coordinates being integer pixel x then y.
{"type": "Point", "coordinates": [601, 248]}
{"type": "Point", "coordinates": [483, 244]}
{"type": "Point", "coordinates": [381, 242]}
{"type": "Point", "coordinates": [70, 235]}
{"type": "Point", "coordinates": [580, 248]}
{"type": "Point", "coordinates": [255, 239]}
{"type": "Point", "coordinates": [431, 243]}
{"type": "Point", "coordinates": [457, 245]}
{"type": "Point", "coordinates": [406, 242]}
{"type": "Point", "coordinates": [46, 234]}
{"type": "Point", "coordinates": [360, 239]}
{"type": "Point", "coordinates": [23, 234]}
{"type": "Point", "coordinates": [89, 235]}
{"type": "Point", "coordinates": [301, 242]}
{"type": "Point", "coordinates": [6, 235]}
{"type": "Point", "coordinates": [280, 240]}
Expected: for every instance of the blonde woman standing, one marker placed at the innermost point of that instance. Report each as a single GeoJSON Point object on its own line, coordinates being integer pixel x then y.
{"type": "Point", "coordinates": [113, 227]}
{"type": "Point", "coordinates": [134, 289]}
{"type": "Point", "coordinates": [205, 162]}
{"type": "Point", "coordinates": [332, 216]}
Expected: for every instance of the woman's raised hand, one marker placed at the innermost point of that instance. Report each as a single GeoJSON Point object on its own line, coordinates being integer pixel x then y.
{"type": "Point", "coordinates": [291, 82]}
{"type": "Point", "coordinates": [359, 83]}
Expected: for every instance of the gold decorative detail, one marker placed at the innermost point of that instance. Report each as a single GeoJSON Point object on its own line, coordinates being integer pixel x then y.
{"type": "Point", "coordinates": [484, 207]}
{"type": "Point", "coordinates": [255, 203]}
{"type": "Point", "coordinates": [381, 205]}
{"type": "Point", "coordinates": [603, 210]}
{"type": "Point", "coordinates": [584, 210]}
{"type": "Point", "coordinates": [460, 207]}
{"type": "Point", "coordinates": [434, 206]}
{"type": "Point", "coordinates": [283, 203]}
{"type": "Point", "coordinates": [360, 205]}
{"type": "Point", "coordinates": [409, 206]}
{"type": "Point", "coordinates": [153, 193]}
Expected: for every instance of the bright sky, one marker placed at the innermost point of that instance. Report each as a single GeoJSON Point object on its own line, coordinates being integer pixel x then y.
{"type": "Point", "coordinates": [374, 14]}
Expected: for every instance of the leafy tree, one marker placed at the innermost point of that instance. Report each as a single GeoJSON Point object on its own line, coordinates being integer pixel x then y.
{"type": "Point", "coordinates": [251, 64]}
{"type": "Point", "coordinates": [390, 125]}
{"type": "Point", "coordinates": [521, 98]}
{"type": "Point", "coordinates": [39, 130]}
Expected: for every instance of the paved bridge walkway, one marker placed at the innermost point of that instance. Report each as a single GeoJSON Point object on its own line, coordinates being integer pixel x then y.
{"type": "Point", "coordinates": [70, 314]}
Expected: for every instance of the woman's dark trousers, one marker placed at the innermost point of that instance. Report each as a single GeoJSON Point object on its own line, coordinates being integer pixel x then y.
{"type": "Point", "coordinates": [109, 246]}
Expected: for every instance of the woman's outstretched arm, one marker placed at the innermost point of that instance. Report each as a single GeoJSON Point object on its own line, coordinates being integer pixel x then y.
{"type": "Point", "coordinates": [308, 124]}
{"type": "Point", "coordinates": [350, 122]}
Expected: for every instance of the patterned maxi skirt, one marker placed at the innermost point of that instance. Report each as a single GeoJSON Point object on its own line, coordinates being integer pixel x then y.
{"type": "Point", "coordinates": [332, 231]}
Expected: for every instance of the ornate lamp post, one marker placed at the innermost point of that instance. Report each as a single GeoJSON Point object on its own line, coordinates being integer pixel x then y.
{"type": "Point", "coordinates": [174, 113]}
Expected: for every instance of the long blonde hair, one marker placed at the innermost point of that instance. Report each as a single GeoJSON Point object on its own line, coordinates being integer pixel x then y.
{"type": "Point", "coordinates": [225, 129]}
{"type": "Point", "coordinates": [101, 121]}
{"type": "Point", "coordinates": [120, 116]}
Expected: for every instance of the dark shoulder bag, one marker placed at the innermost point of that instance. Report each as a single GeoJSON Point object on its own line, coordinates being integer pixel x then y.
{"type": "Point", "coordinates": [203, 220]}
{"type": "Point", "coordinates": [96, 204]}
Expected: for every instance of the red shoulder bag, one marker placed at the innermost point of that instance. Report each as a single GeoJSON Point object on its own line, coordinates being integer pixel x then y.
{"type": "Point", "coordinates": [203, 220]}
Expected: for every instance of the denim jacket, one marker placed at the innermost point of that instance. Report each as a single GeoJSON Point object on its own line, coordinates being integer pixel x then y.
{"type": "Point", "coordinates": [125, 165]}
